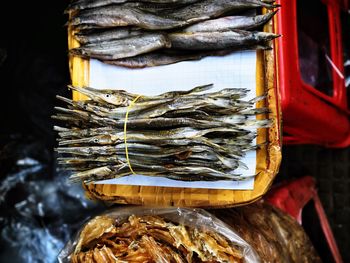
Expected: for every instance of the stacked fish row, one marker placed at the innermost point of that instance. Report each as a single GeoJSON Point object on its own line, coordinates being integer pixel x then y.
{"type": "Point", "coordinates": [147, 33]}
{"type": "Point", "coordinates": [193, 135]}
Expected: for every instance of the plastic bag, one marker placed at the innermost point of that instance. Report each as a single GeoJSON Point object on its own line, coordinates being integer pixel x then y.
{"type": "Point", "coordinates": [39, 209]}
{"type": "Point", "coordinates": [194, 218]}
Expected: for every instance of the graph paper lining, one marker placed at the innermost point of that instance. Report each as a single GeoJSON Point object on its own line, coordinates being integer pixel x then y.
{"type": "Point", "coordinates": [237, 70]}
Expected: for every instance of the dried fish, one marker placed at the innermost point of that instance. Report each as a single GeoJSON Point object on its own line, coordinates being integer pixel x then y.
{"type": "Point", "coordinates": [94, 229]}
{"type": "Point", "coordinates": [191, 135]}
{"type": "Point", "coordinates": [130, 15]}
{"type": "Point", "coordinates": [165, 58]}
{"type": "Point", "coordinates": [228, 23]}
{"type": "Point", "coordinates": [151, 239]}
{"type": "Point", "coordinates": [122, 48]}
{"type": "Point", "coordinates": [115, 16]}
{"type": "Point", "coordinates": [147, 33]}
{"type": "Point", "coordinates": [204, 10]}
{"type": "Point", "coordinates": [218, 40]}
{"type": "Point", "coordinates": [87, 4]}
{"type": "Point", "coordinates": [107, 35]}
{"type": "Point", "coordinates": [153, 59]}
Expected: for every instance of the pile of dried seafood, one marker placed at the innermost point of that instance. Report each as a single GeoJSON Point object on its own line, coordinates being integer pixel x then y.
{"type": "Point", "coordinates": [147, 33]}
{"type": "Point", "coordinates": [273, 234]}
{"type": "Point", "coordinates": [184, 135]}
{"type": "Point", "coordinates": [151, 239]}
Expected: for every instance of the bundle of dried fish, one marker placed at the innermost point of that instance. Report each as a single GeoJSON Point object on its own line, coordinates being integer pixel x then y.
{"type": "Point", "coordinates": [157, 237]}
{"type": "Point", "coordinates": [138, 33]}
{"type": "Point", "coordinates": [189, 135]}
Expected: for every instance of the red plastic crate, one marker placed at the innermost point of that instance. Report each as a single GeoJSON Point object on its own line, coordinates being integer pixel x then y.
{"type": "Point", "coordinates": [309, 115]}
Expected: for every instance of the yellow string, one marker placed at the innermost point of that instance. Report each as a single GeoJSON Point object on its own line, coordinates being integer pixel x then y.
{"type": "Point", "coordinates": [125, 137]}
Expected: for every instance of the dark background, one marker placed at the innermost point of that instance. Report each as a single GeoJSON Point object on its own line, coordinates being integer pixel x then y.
{"type": "Point", "coordinates": [38, 210]}
{"type": "Point", "coordinates": [35, 67]}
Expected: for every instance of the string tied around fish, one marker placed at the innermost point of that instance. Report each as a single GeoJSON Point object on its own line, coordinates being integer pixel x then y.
{"type": "Point", "coordinates": [125, 132]}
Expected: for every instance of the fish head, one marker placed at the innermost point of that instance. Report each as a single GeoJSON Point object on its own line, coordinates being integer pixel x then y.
{"type": "Point", "coordinates": [103, 139]}
{"type": "Point", "coordinates": [114, 97]}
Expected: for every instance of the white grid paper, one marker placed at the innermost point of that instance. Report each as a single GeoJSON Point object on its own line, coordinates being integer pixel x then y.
{"type": "Point", "coordinates": [237, 70]}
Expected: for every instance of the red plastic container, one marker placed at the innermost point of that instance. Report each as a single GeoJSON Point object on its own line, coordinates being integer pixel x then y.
{"type": "Point", "coordinates": [311, 73]}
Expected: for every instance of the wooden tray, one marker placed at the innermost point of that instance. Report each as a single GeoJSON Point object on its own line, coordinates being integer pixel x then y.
{"type": "Point", "coordinates": [268, 157]}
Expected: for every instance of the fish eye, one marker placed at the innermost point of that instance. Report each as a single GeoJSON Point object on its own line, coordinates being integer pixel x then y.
{"type": "Point", "coordinates": [107, 95]}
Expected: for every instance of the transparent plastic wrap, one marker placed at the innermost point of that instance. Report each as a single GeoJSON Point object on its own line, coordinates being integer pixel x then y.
{"type": "Point", "coordinates": [167, 225]}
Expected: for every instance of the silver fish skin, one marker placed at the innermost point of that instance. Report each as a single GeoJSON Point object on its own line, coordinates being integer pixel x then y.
{"type": "Point", "coordinates": [152, 108]}
{"type": "Point", "coordinates": [177, 133]}
{"type": "Point", "coordinates": [113, 97]}
{"type": "Point", "coordinates": [99, 173]}
{"type": "Point", "coordinates": [207, 147]}
{"type": "Point", "coordinates": [87, 4]}
{"type": "Point", "coordinates": [114, 16]}
{"type": "Point", "coordinates": [166, 58]}
{"type": "Point", "coordinates": [162, 123]}
{"type": "Point", "coordinates": [184, 171]}
{"type": "Point", "coordinates": [121, 98]}
{"type": "Point", "coordinates": [155, 8]}
{"type": "Point", "coordinates": [107, 35]}
{"type": "Point", "coordinates": [218, 40]}
{"type": "Point", "coordinates": [123, 48]}
{"type": "Point", "coordinates": [133, 142]}
{"type": "Point", "coordinates": [228, 23]}
{"type": "Point", "coordinates": [207, 9]}
{"type": "Point", "coordinates": [163, 58]}
{"type": "Point", "coordinates": [124, 15]}
{"type": "Point", "coordinates": [88, 151]}
{"type": "Point", "coordinates": [152, 60]}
